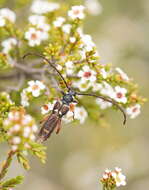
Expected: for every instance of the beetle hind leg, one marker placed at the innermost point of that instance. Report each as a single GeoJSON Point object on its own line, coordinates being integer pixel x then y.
{"type": "Point", "coordinates": [58, 127]}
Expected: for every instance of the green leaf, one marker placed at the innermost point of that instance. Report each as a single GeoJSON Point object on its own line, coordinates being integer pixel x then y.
{"type": "Point", "coordinates": [3, 61]}
{"type": "Point", "coordinates": [39, 151]}
{"type": "Point", "coordinates": [6, 164]}
{"type": "Point", "coordinates": [22, 160]}
{"type": "Point", "coordinates": [12, 182]}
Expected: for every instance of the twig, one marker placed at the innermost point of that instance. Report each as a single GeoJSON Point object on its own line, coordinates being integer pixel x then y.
{"type": "Point", "coordinates": [27, 69]}
{"type": "Point", "coordinates": [20, 82]}
{"type": "Point", "coordinates": [6, 164]}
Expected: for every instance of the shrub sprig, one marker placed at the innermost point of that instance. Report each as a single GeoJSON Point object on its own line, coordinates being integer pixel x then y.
{"type": "Point", "coordinates": [55, 31]}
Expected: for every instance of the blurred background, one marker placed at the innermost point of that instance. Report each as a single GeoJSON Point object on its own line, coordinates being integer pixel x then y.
{"type": "Point", "coordinates": [80, 154]}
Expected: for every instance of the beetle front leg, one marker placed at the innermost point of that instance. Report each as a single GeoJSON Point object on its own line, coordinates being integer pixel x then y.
{"type": "Point", "coordinates": [75, 101]}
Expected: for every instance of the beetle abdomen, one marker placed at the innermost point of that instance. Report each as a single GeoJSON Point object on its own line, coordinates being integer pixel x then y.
{"type": "Point", "coordinates": [48, 128]}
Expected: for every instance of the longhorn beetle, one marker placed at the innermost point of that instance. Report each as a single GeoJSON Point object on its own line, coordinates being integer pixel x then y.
{"type": "Point", "coordinates": [60, 109]}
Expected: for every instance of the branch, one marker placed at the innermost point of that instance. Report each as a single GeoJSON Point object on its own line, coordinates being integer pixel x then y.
{"type": "Point", "coordinates": [6, 164]}
{"type": "Point", "coordinates": [27, 69]}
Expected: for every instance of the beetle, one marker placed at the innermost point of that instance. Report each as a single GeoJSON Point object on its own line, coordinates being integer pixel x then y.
{"type": "Point", "coordinates": [61, 108]}
{"type": "Point", "coordinates": [53, 121]}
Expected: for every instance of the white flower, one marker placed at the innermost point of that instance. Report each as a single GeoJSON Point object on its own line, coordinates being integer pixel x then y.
{"type": "Point", "coordinates": [107, 90]}
{"type": "Point", "coordinates": [80, 31]}
{"type": "Point", "coordinates": [13, 116]}
{"type": "Point", "coordinates": [26, 145]}
{"type": "Point", "coordinates": [72, 39]}
{"type": "Point", "coordinates": [88, 43]}
{"type": "Point", "coordinates": [35, 87]}
{"type": "Point", "coordinates": [44, 34]}
{"type": "Point", "coordinates": [41, 7]}
{"type": "Point", "coordinates": [20, 126]}
{"type": "Point", "coordinates": [83, 54]}
{"type": "Point", "coordinates": [133, 111]}
{"type": "Point", "coordinates": [120, 179]}
{"type": "Point", "coordinates": [34, 128]}
{"type": "Point", "coordinates": [33, 36]}
{"type": "Point", "coordinates": [96, 87]}
{"type": "Point", "coordinates": [14, 147]}
{"type": "Point", "coordinates": [10, 61]}
{"type": "Point", "coordinates": [16, 128]}
{"type": "Point", "coordinates": [117, 169]}
{"type": "Point", "coordinates": [6, 122]}
{"type": "Point", "coordinates": [24, 98]}
{"type": "Point", "coordinates": [59, 21]}
{"type": "Point", "coordinates": [107, 171]}
{"type": "Point", "coordinates": [68, 117]}
{"type": "Point", "coordinates": [69, 67]}
{"type": "Point", "coordinates": [93, 7]}
{"type": "Point", "coordinates": [8, 14]}
{"type": "Point", "coordinates": [36, 19]}
{"type": "Point", "coordinates": [47, 107]}
{"type": "Point", "coordinates": [8, 44]}
{"type": "Point", "coordinates": [81, 114]}
{"type": "Point", "coordinates": [76, 12]}
{"type": "Point", "coordinates": [43, 27]}
{"type": "Point", "coordinates": [105, 176]}
{"type": "Point", "coordinates": [103, 104]}
{"type": "Point", "coordinates": [26, 120]}
{"type": "Point", "coordinates": [26, 134]}
{"type": "Point", "coordinates": [87, 74]}
{"type": "Point", "coordinates": [114, 178]}
{"type": "Point", "coordinates": [120, 94]}
{"type": "Point", "coordinates": [103, 73]}
{"type": "Point", "coordinates": [32, 137]}
{"type": "Point", "coordinates": [122, 74]}
{"type": "Point", "coordinates": [82, 85]}
{"type": "Point", "coordinates": [27, 129]}
{"type": "Point", "coordinates": [40, 22]}
{"type": "Point", "coordinates": [16, 140]}
{"type": "Point", "coordinates": [66, 28]}
{"type": "Point", "coordinates": [59, 67]}
{"type": "Point", "coordinates": [2, 21]}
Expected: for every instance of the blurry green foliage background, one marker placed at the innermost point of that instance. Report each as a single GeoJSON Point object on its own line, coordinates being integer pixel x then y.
{"type": "Point", "coordinates": [79, 155]}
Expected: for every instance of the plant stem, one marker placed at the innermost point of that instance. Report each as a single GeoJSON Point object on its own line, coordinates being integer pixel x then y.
{"type": "Point", "coordinates": [6, 164]}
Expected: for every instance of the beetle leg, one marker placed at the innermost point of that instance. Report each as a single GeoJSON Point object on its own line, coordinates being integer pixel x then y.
{"type": "Point", "coordinates": [58, 127]}
{"type": "Point", "coordinates": [75, 101]}
{"type": "Point", "coordinates": [73, 115]}
{"type": "Point", "coordinates": [62, 92]}
{"type": "Point", "coordinates": [71, 108]}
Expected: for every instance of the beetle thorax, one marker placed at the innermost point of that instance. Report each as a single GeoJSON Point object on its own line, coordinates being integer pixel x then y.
{"type": "Point", "coordinates": [67, 99]}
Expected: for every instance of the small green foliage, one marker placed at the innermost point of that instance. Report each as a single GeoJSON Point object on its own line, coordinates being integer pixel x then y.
{"type": "Point", "coordinates": [23, 160]}
{"type": "Point", "coordinates": [11, 183]}
{"type": "Point", "coordinates": [5, 106]}
{"type": "Point", "coordinates": [6, 164]}
{"type": "Point", "coordinates": [55, 31]}
{"type": "Point", "coordinates": [4, 61]}
{"type": "Point", "coordinates": [39, 151]}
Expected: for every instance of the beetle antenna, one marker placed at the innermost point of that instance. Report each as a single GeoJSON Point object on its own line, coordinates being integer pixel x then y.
{"type": "Point", "coordinates": [108, 100]}
{"type": "Point", "coordinates": [51, 64]}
